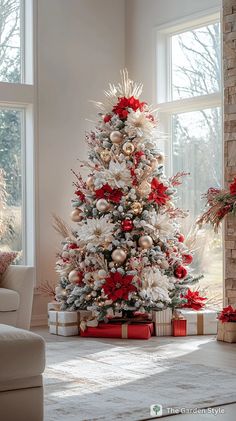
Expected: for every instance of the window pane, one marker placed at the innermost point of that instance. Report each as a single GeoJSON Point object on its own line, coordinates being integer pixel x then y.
{"type": "Point", "coordinates": [10, 40]}
{"type": "Point", "coordinates": [196, 61]}
{"type": "Point", "coordinates": [197, 148]}
{"type": "Point", "coordinates": [11, 129]}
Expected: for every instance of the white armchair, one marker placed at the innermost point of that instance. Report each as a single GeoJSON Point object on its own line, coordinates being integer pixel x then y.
{"type": "Point", "coordinates": [16, 296]}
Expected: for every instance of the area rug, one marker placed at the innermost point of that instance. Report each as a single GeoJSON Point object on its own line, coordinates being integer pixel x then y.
{"type": "Point", "coordinates": [98, 380]}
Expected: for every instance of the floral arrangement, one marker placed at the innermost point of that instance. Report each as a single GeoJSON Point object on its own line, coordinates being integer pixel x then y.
{"type": "Point", "coordinates": [220, 202]}
{"type": "Point", "coordinates": [228, 314]}
{"type": "Point", "coordinates": [193, 300]}
{"type": "Point", "coordinates": [125, 253]}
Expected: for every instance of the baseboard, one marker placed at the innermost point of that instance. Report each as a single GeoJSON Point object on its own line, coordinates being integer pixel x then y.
{"type": "Point", "coordinates": [39, 320]}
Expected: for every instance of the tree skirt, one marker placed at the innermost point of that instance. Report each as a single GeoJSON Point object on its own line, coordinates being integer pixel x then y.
{"type": "Point", "coordinates": [88, 379]}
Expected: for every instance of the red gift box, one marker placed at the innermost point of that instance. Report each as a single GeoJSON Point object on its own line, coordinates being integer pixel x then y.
{"type": "Point", "coordinates": [119, 330]}
{"type": "Point", "coordinates": [179, 327]}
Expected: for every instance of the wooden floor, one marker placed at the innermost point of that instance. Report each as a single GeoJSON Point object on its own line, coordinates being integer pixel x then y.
{"type": "Point", "coordinates": [209, 352]}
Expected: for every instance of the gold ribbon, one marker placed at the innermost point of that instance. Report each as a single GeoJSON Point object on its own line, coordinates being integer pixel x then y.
{"type": "Point", "coordinates": [124, 331]}
{"type": "Point", "coordinates": [200, 325]}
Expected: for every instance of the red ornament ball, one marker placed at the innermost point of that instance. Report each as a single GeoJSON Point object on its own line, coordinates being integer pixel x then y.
{"type": "Point", "coordinates": [181, 238]}
{"type": "Point", "coordinates": [127, 225]}
{"type": "Point", "coordinates": [180, 272]}
{"type": "Point", "coordinates": [187, 259]}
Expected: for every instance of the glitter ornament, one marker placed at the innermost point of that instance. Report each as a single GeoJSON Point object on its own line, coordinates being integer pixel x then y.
{"type": "Point", "coordinates": [136, 208]}
{"type": "Point", "coordinates": [76, 215]}
{"type": "Point", "coordinates": [145, 241]}
{"type": "Point", "coordinates": [127, 225]}
{"type": "Point", "coordinates": [119, 256]}
{"type": "Point", "coordinates": [105, 155]}
{"type": "Point", "coordinates": [116, 137]}
{"type": "Point", "coordinates": [102, 205]}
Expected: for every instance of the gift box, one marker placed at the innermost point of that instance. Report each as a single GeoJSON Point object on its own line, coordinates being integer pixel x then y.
{"type": "Point", "coordinates": [64, 323]}
{"type": "Point", "coordinates": [226, 332]}
{"type": "Point", "coordinates": [179, 327]}
{"type": "Point", "coordinates": [54, 305]}
{"type": "Point", "coordinates": [120, 330]}
{"type": "Point", "coordinates": [162, 321]}
{"type": "Point", "coordinates": [202, 322]}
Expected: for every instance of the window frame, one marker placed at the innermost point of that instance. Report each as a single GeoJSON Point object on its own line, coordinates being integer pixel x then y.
{"type": "Point", "coordinates": [22, 96]}
{"type": "Point", "coordinates": [162, 87]}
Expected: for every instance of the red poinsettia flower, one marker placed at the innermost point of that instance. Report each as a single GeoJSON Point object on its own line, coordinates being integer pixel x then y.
{"type": "Point", "coordinates": [194, 300]}
{"type": "Point", "coordinates": [158, 194]}
{"type": "Point", "coordinates": [228, 314]}
{"type": "Point", "coordinates": [180, 272]}
{"type": "Point", "coordinates": [121, 108]}
{"type": "Point", "coordinates": [80, 195]}
{"type": "Point", "coordinates": [107, 118]}
{"type": "Point", "coordinates": [106, 192]}
{"type": "Point", "coordinates": [118, 286]}
{"type": "Point", "coordinates": [232, 187]}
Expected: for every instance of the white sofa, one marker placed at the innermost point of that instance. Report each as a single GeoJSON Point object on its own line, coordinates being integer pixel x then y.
{"type": "Point", "coordinates": [22, 362]}
{"type": "Point", "coordinates": [16, 296]}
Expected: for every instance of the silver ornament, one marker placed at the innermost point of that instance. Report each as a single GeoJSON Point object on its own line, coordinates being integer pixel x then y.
{"type": "Point", "coordinates": [102, 205]}
{"type": "Point", "coordinates": [116, 137]}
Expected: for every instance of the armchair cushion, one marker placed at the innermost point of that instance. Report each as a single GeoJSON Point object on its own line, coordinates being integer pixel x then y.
{"type": "Point", "coordinates": [9, 300]}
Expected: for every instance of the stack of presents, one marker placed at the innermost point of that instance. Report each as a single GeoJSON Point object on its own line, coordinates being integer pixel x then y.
{"type": "Point", "coordinates": [178, 322]}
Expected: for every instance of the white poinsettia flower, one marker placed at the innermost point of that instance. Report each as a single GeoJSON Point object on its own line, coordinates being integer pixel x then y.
{"type": "Point", "coordinates": [155, 285]}
{"type": "Point", "coordinates": [96, 232]}
{"type": "Point", "coordinates": [117, 175]}
{"type": "Point", "coordinates": [137, 124]}
{"type": "Point", "coordinates": [160, 226]}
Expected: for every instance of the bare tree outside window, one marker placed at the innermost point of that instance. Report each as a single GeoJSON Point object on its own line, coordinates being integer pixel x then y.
{"type": "Point", "coordinates": [197, 141]}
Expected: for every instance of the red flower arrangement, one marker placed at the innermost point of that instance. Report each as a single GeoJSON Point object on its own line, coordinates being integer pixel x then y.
{"type": "Point", "coordinates": [106, 192]}
{"type": "Point", "coordinates": [194, 300]}
{"type": "Point", "coordinates": [220, 202]}
{"type": "Point", "coordinates": [228, 314]}
{"type": "Point", "coordinates": [158, 192]}
{"type": "Point", "coordinates": [121, 108]}
{"type": "Point", "coordinates": [118, 286]}
{"type": "Point", "coordinates": [80, 195]}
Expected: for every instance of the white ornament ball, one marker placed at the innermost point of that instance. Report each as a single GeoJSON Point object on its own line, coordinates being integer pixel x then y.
{"type": "Point", "coordinates": [102, 205]}
{"type": "Point", "coordinates": [74, 276]}
{"type": "Point", "coordinates": [145, 241]}
{"type": "Point", "coordinates": [119, 256]}
{"type": "Point", "coordinates": [76, 215]}
{"type": "Point", "coordinates": [116, 137]}
{"type": "Point", "coordinates": [164, 264]}
{"type": "Point", "coordinates": [128, 148]}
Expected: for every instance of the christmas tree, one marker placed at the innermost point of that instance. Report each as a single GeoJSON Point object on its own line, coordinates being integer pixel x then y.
{"type": "Point", "coordinates": [125, 254]}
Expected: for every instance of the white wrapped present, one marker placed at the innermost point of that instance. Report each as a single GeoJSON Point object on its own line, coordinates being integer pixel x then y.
{"type": "Point", "coordinates": [162, 320]}
{"type": "Point", "coordinates": [54, 305]}
{"type": "Point", "coordinates": [63, 323]}
{"type": "Point", "coordinates": [202, 322]}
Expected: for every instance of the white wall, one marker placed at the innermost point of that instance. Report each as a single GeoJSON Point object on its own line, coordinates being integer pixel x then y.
{"type": "Point", "coordinates": [142, 16]}
{"type": "Point", "coordinates": [80, 49]}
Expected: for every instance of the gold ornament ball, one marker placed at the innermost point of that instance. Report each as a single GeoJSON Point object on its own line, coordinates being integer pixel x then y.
{"type": "Point", "coordinates": [74, 276]}
{"type": "Point", "coordinates": [136, 208]}
{"type": "Point", "coordinates": [160, 158]}
{"type": "Point", "coordinates": [116, 137]}
{"type": "Point", "coordinates": [128, 148]}
{"type": "Point", "coordinates": [90, 182]}
{"type": "Point", "coordinates": [119, 256]}
{"type": "Point", "coordinates": [76, 215]}
{"type": "Point", "coordinates": [105, 155]}
{"type": "Point", "coordinates": [145, 242]}
{"type": "Point", "coordinates": [102, 205]}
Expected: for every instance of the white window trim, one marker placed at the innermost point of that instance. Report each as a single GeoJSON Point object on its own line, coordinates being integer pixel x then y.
{"type": "Point", "coordinates": [23, 96]}
{"type": "Point", "coordinates": [166, 106]}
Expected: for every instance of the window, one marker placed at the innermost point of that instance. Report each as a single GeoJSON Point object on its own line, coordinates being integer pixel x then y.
{"type": "Point", "coordinates": [17, 128]}
{"type": "Point", "coordinates": [189, 102]}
